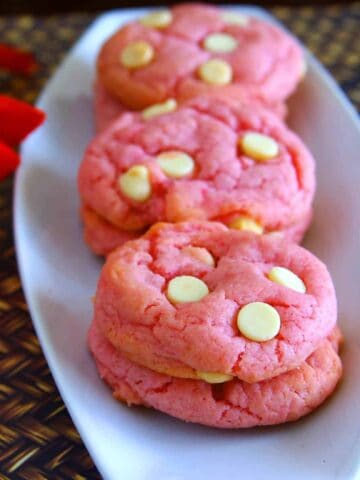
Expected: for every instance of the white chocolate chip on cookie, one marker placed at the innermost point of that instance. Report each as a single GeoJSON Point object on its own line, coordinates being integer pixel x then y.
{"type": "Point", "coordinates": [186, 288]}
{"type": "Point", "coordinates": [232, 18]}
{"type": "Point", "coordinates": [216, 72]}
{"type": "Point", "coordinates": [287, 278]}
{"type": "Point", "coordinates": [159, 19]}
{"type": "Point", "coordinates": [201, 254]}
{"type": "Point", "coordinates": [220, 43]}
{"type": "Point", "coordinates": [211, 377]}
{"type": "Point", "coordinates": [168, 106]}
{"type": "Point", "coordinates": [258, 321]}
{"type": "Point", "coordinates": [137, 54]}
{"type": "Point", "coordinates": [259, 147]}
{"type": "Point", "coordinates": [246, 223]}
{"type": "Point", "coordinates": [175, 164]}
{"type": "Point", "coordinates": [135, 183]}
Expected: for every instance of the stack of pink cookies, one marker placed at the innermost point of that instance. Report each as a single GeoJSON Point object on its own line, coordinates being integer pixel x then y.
{"type": "Point", "coordinates": [198, 193]}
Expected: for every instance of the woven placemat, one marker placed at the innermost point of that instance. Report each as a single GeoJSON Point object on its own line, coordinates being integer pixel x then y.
{"type": "Point", "coordinates": [37, 438]}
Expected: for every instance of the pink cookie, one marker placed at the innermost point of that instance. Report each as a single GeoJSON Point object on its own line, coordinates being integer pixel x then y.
{"type": "Point", "coordinates": [102, 237]}
{"type": "Point", "coordinates": [261, 60]}
{"type": "Point", "coordinates": [107, 108]}
{"type": "Point", "coordinates": [234, 404]}
{"type": "Point", "coordinates": [140, 316]}
{"type": "Point", "coordinates": [225, 180]}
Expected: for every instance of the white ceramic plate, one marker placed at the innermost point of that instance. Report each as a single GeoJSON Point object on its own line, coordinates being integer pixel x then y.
{"type": "Point", "coordinates": [59, 276]}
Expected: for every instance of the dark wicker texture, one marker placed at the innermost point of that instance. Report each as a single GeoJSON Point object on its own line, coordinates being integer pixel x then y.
{"type": "Point", "coordinates": [37, 438]}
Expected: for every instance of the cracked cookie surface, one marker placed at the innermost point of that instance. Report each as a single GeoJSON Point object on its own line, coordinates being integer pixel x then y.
{"type": "Point", "coordinates": [234, 404]}
{"type": "Point", "coordinates": [263, 60]}
{"type": "Point", "coordinates": [136, 314]}
{"type": "Point", "coordinates": [224, 182]}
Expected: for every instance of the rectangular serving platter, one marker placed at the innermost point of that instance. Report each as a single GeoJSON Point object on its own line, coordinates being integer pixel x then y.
{"type": "Point", "coordinates": [59, 276]}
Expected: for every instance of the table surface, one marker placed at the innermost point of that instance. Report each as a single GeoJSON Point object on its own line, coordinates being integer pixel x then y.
{"type": "Point", "coordinates": [37, 438]}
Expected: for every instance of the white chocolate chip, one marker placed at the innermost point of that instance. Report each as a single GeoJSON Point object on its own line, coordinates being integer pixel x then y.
{"type": "Point", "coordinates": [186, 288]}
{"type": "Point", "coordinates": [258, 321]}
{"type": "Point", "coordinates": [211, 377]}
{"type": "Point", "coordinates": [246, 223]}
{"type": "Point", "coordinates": [175, 164]}
{"type": "Point", "coordinates": [220, 43]}
{"type": "Point", "coordinates": [287, 278]}
{"type": "Point", "coordinates": [259, 147]}
{"type": "Point", "coordinates": [159, 19]}
{"type": "Point", "coordinates": [201, 254]}
{"type": "Point", "coordinates": [168, 106]}
{"type": "Point", "coordinates": [216, 72]}
{"type": "Point", "coordinates": [137, 54]}
{"type": "Point", "coordinates": [135, 183]}
{"type": "Point", "coordinates": [232, 18]}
